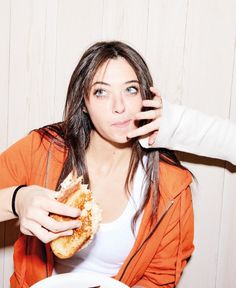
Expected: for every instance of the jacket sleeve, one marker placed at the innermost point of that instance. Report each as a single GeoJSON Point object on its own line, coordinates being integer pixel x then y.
{"type": "Point", "coordinates": [15, 162]}
{"type": "Point", "coordinates": [175, 248]}
{"type": "Point", "coordinates": [189, 130]}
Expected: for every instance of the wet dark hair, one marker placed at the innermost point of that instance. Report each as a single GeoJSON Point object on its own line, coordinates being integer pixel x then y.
{"type": "Point", "coordinates": [74, 130]}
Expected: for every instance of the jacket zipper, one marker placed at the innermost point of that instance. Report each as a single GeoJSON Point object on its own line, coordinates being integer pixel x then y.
{"type": "Point", "coordinates": [149, 236]}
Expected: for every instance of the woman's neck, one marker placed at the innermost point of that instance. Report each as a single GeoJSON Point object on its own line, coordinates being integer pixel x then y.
{"type": "Point", "coordinates": [105, 156]}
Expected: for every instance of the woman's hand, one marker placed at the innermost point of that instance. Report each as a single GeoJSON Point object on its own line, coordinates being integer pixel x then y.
{"type": "Point", "coordinates": [33, 205]}
{"type": "Point", "coordinates": [149, 130]}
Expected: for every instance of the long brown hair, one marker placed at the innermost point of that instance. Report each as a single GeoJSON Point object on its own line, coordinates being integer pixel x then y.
{"type": "Point", "coordinates": [74, 130]}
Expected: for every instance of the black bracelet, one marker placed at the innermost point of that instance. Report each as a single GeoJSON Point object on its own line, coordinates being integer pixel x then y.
{"type": "Point", "coordinates": [13, 200]}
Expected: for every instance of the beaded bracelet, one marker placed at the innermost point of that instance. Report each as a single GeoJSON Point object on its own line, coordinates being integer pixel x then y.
{"type": "Point", "coordinates": [13, 200]}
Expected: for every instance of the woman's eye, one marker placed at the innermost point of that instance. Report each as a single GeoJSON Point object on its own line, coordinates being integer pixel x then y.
{"type": "Point", "coordinates": [100, 92]}
{"type": "Point", "coordinates": [132, 90]}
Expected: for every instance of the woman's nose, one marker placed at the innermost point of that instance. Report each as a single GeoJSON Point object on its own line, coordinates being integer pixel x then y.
{"type": "Point", "coordinates": [118, 105]}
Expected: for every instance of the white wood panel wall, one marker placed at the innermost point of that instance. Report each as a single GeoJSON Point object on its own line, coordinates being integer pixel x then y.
{"type": "Point", "coordinates": [190, 47]}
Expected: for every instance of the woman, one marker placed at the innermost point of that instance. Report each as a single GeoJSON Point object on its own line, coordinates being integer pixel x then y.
{"type": "Point", "coordinates": [188, 130]}
{"type": "Point", "coordinates": [146, 235]}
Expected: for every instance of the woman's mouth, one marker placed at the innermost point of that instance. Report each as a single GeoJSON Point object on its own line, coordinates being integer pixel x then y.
{"type": "Point", "coordinates": [121, 124]}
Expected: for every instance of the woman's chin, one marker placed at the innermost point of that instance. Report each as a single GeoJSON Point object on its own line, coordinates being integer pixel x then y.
{"type": "Point", "coordinates": [122, 141]}
{"type": "Point", "coordinates": [118, 140]}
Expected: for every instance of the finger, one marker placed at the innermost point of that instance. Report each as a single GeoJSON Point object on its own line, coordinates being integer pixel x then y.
{"type": "Point", "coordinates": [46, 236]}
{"type": "Point", "coordinates": [57, 226]}
{"type": "Point", "coordinates": [155, 91]}
{"type": "Point", "coordinates": [57, 207]}
{"type": "Point", "coordinates": [148, 115]}
{"type": "Point", "coordinates": [155, 103]}
{"type": "Point", "coordinates": [53, 236]}
{"type": "Point", "coordinates": [141, 131]}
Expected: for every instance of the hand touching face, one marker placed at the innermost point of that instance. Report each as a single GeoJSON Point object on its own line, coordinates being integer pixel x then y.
{"type": "Point", "coordinates": [149, 130]}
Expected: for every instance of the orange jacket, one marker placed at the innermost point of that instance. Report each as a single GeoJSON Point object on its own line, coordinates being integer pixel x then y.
{"type": "Point", "coordinates": [161, 250]}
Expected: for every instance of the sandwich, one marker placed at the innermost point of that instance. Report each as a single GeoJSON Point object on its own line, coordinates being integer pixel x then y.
{"type": "Point", "coordinates": [76, 194]}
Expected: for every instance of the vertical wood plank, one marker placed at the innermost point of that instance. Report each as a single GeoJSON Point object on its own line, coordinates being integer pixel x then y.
{"type": "Point", "coordinates": [31, 66]}
{"type": "Point", "coordinates": [165, 45]}
{"type": "Point", "coordinates": [79, 26]}
{"type": "Point", "coordinates": [227, 252]}
{"type": "Point", "coordinates": [19, 69]}
{"type": "Point", "coordinates": [208, 56]}
{"type": "Point", "coordinates": [126, 21]}
{"type": "Point", "coordinates": [42, 53]}
{"type": "Point", "coordinates": [5, 18]}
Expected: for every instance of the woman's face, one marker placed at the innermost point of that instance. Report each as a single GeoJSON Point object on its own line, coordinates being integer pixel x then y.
{"type": "Point", "coordinates": [114, 99]}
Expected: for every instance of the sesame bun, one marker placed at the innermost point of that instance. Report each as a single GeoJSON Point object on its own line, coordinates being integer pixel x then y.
{"type": "Point", "coordinates": [76, 194]}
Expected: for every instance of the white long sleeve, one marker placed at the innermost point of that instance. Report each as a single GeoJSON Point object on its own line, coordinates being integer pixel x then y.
{"type": "Point", "coordinates": [189, 130]}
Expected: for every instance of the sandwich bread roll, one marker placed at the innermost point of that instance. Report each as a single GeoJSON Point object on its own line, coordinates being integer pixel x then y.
{"type": "Point", "coordinates": [76, 194]}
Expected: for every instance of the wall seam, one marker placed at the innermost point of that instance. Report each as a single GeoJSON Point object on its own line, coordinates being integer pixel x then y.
{"type": "Point", "coordinates": [184, 49]}
{"type": "Point", "coordinates": [9, 69]}
{"type": "Point", "coordinates": [224, 174]}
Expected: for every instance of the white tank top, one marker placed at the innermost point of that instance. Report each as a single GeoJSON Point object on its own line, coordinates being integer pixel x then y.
{"type": "Point", "coordinates": [112, 243]}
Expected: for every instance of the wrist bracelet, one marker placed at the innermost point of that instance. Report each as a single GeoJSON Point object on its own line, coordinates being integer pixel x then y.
{"type": "Point", "coordinates": [13, 200]}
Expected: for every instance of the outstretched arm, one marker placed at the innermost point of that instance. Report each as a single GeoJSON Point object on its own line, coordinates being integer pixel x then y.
{"type": "Point", "coordinates": [32, 203]}
{"type": "Point", "coordinates": [177, 127]}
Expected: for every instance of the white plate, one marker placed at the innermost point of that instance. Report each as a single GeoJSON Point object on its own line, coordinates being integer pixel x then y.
{"type": "Point", "coordinates": [79, 280]}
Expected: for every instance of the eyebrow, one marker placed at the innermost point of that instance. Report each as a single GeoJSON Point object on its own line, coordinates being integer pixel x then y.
{"type": "Point", "coordinates": [107, 84]}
